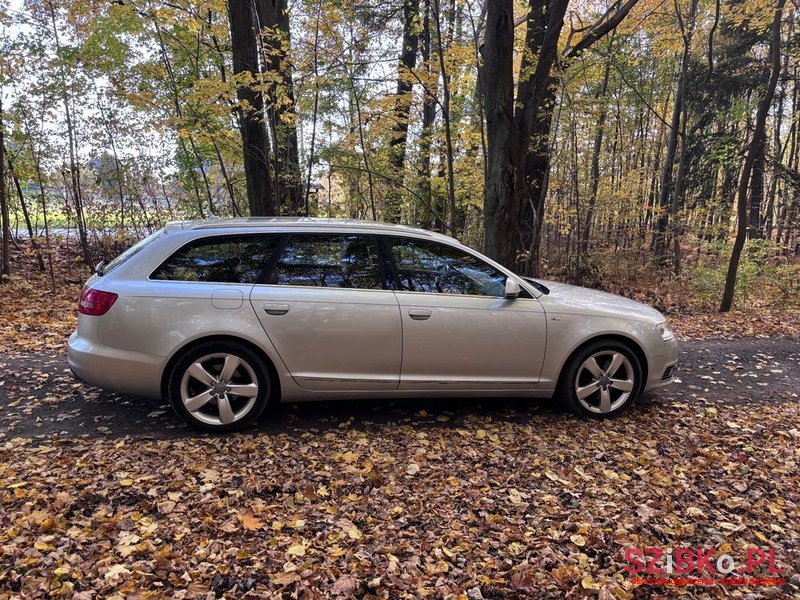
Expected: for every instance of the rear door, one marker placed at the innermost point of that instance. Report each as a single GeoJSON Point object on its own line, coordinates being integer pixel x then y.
{"type": "Point", "coordinates": [328, 309]}
{"type": "Point", "coordinates": [459, 330]}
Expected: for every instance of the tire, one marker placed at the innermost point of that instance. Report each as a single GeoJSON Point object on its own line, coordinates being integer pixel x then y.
{"type": "Point", "coordinates": [588, 388]}
{"type": "Point", "coordinates": [207, 401]}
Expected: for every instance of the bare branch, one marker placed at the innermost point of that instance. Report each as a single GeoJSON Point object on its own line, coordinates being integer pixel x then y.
{"type": "Point", "coordinates": [600, 29]}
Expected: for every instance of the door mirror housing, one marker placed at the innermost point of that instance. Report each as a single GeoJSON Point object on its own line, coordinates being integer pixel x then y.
{"type": "Point", "coordinates": [512, 289]}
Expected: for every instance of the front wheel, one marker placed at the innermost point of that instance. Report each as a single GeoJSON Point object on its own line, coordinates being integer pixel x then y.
{"type": "Point", "coordinates": [602, 380]}
{"type": "Point", "coordinates": [219, 387]}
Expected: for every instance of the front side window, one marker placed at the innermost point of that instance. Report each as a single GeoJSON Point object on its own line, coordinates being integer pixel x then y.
{"type": "Point", "coordinates": [337, 261]}
{"type": "Point", "coordinates": [221, 259]}
{"type": "Point", "coordinates": [425, 266]}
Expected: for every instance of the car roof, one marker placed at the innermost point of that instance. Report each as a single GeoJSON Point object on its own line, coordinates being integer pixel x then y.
{"type": "Point", "coordinates": [283, 223]}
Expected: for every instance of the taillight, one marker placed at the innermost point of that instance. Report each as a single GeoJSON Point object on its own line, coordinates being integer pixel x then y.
{"type": "Point", "coordinates": [95, 302]}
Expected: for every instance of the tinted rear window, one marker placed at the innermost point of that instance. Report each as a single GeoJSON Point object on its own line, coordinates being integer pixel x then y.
{"type": "Point", "coordinates": [221, 259]}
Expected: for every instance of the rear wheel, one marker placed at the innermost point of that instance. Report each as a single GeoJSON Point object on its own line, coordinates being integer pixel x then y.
{"type": "Point", "coordinates": [219, 387]}
{"type": "Point", "coordinates": [602, 380]}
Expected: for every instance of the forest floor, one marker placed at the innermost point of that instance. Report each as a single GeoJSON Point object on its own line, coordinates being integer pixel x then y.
{"type": "Point", "coordinates": [110, 496]}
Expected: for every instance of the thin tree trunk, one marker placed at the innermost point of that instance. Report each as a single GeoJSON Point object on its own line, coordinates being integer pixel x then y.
{"type": "Point", "coordinates": [677, 200]}
{"type": "Point", "coordinates": [757, 190]}
{"type": "Point", "coordinates": [778, 148]}
{"type": "Point", "coordinates": [5, 263]}
{"type": "Point", "coordinates": [757, 144]}
{"type": "Point", "coordinates": [665, 208]}
{"type": "Point", "coordinates": [364, 150]}
{"type": "Point", "coordinates": [37, 163]}
{"type": "Point", "coordinates": [32, 234]}
{"type": "Point", "coordinates": [594, 181]}
{"type": "Point", "coordinates": [312, 144]}
{"type": "Point", "coordinates": [236, 211]}
{"type": "Point", "coordinates": [477, 31]}
{"type": "Point", "coordinates": [714, 26]}
{"type": "Point", "coordinates": [428, 118]}
{"type": "Point", "coordinates": [74, 169]}
{"type": "Point", "coordinates": [112, 143]}
{"type": "Point", "coordinates": [451, 185]}
{"type": "Point", "coordinates": [179, 113]}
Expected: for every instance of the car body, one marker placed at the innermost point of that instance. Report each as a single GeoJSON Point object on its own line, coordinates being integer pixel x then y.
{"type": "Point", "coordinates": [328, 309]}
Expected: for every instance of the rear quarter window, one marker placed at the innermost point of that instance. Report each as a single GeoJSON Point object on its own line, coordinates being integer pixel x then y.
{"type": "Point", "coordinates": [133, 250]}
{"type": "Point", "coordinates": [219, 259]}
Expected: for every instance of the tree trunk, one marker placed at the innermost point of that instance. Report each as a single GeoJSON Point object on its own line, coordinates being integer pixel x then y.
{"type": "Point", "coordinates": [665, 209]}
{"type": "Point", "coordinates": [244, 43]}
{"type": "Point", "coordinates": [194, 157]}
{"type": "Point", "coordinates": [497, 85]}
{"type": "Point", "coordinates": [513, 215]}
{"type": "Point", "coordinates": [402, 104]}
{"type": "Point", "coordinates": [531, 149]}
{"type": "Point", "coordinates": [428, 118]}
{"type": "Point", "coordinates": [5, 263]}
{"type": "Point", "coordinates": [314, 113]}
{"type": "Point", "coordinates": [594, 178]}
{"type": "Point", "coordinates": [779, 149]}
{"type": "Point", "coordinates": [112, 143]}
{"type": "Point", "coordinates": [757, 144]}
{"type": "Point", "coordinates": [74, 168]}
{"type": "Point", "coordinates": [32, 234]}
{"type": "Point", "coordinates": [451, 185]}
{"type": "Point", "coordinates": [273, 20]}
{"type": "Point", "coordinates": [757, 190]}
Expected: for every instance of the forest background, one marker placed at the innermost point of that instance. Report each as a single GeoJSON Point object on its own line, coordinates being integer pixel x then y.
{"type": "Point", "coordinates": [648, 147]}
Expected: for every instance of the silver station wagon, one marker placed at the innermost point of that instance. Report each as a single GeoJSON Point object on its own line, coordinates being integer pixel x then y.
{"type": "Point", "coordinates": [226, 316]}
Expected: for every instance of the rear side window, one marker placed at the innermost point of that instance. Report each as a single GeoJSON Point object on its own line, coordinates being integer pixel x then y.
{"type": "Point", "coordinates": [338, 261]}
{"type": "Point", "coordinates": [222, 259]}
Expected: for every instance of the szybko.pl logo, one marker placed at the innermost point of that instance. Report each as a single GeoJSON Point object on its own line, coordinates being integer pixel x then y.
{"type": "Point", "coordinates": [702, 566]}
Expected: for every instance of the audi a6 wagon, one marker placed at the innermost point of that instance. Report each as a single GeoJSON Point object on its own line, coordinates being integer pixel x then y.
{"type": "Point", "coordinates": [224, 317]}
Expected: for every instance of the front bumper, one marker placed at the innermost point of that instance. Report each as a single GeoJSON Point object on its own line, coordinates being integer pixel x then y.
{"type": "Point", "coordinates": [662, 366]}
{"type": "Point", "coordinates": [113, 369]}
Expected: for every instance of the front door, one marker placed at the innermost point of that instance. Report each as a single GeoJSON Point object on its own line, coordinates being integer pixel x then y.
{"type": "Point", "coordinates": [459, 330]}
{"type": "Point", "coordinates": [330, 313]}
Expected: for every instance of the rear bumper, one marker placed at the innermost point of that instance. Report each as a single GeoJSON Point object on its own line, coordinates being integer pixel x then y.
{"type": "Point", "coordinates": [662, 366]}
{"type": "Point", "coordinates": [113, 369]}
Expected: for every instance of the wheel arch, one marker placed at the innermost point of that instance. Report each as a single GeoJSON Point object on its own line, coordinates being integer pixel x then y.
{"type": "Point", "coordinates": [275, 381]}
{"type": "Point", "coordinates": [628, 341]}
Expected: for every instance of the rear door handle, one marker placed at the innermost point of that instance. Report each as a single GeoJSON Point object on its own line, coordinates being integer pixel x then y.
{"type": "Point", "coordinates": [276, 310]}
{"type": "Point", "coordinates": [419, 314]}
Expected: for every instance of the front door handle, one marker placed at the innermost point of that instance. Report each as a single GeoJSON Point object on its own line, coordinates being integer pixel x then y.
{"type": "Point", "coordinates": [276, 310]}
{"type": "Point", "coordinates": [419, 314]}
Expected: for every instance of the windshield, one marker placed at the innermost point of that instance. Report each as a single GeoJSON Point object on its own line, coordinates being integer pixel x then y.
{"type": "Point", "coordinates": [137, 247]}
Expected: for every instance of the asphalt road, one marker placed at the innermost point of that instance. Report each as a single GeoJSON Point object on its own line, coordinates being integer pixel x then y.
{"type": "Point", "coordinates": [40, 398]}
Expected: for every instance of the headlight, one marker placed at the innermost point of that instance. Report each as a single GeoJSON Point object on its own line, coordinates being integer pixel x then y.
{"type": "Point", "coordinates": [665, 329]}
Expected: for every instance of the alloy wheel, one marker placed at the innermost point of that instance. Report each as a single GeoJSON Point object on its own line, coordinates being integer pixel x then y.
{"type": "Point", "coordinates": [605, 381]}
{"type": "Point", "coordinates": [219, 389]}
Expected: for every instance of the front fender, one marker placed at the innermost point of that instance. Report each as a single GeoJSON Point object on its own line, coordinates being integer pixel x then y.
{"type": "Point", "coordinates": [568, 332]}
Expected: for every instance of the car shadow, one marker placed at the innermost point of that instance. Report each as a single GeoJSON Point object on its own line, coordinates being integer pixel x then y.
{"type": "Point", "coordinates": [155, 419]}
{"type": "Point", "coordinates": [42, 400]}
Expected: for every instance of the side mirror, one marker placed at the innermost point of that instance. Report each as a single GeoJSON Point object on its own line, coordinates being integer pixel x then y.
{"type": "Point", "coordinates": [512, 288]}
